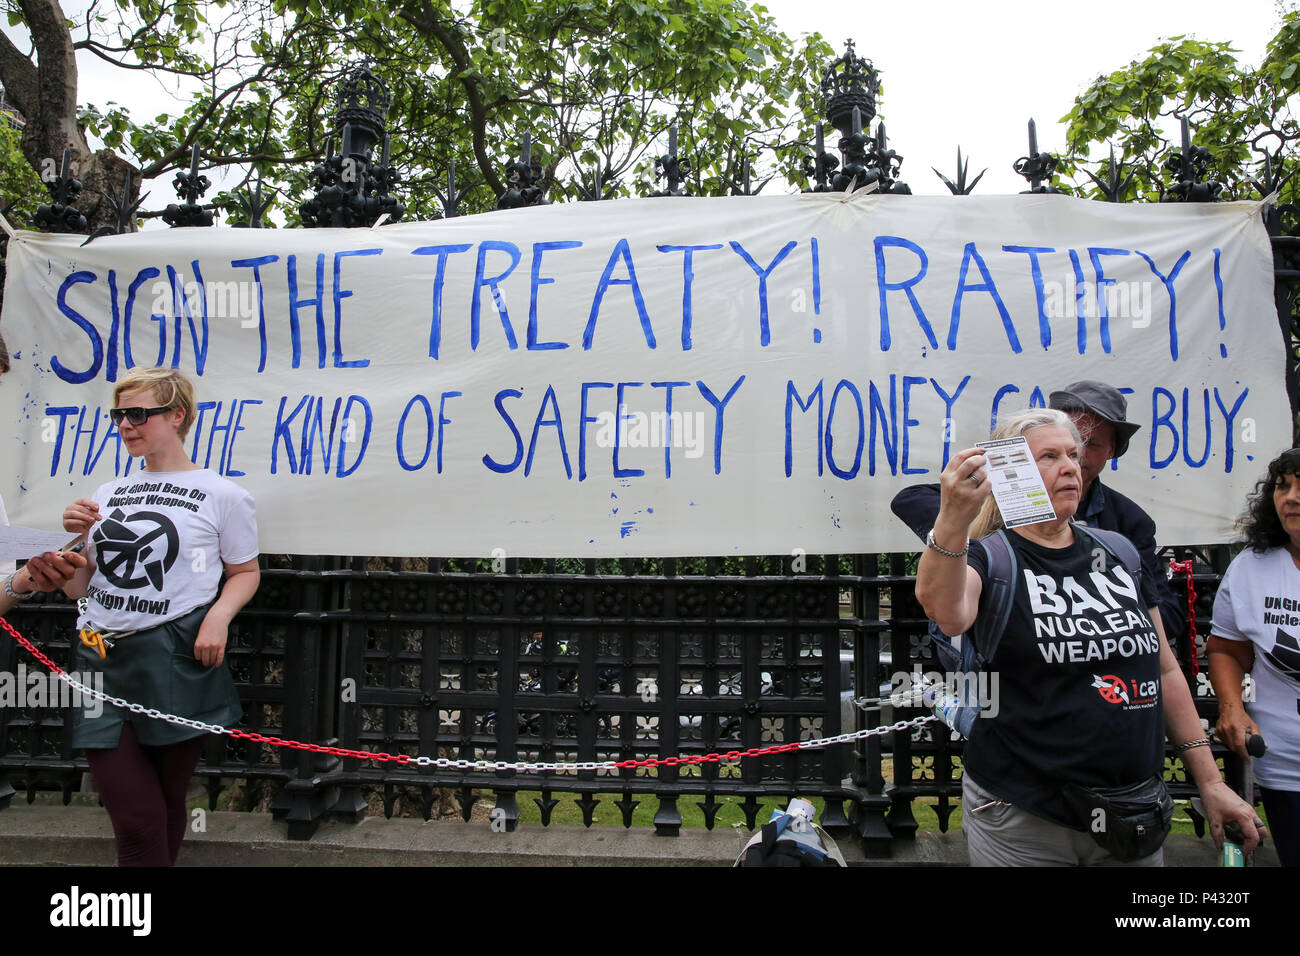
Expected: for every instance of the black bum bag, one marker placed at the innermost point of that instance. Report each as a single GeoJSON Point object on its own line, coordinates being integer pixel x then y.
{"type": "Point", "coordinates": [1130, 822]}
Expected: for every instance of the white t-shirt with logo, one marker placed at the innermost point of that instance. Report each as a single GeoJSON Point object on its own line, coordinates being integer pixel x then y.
{"type": "Point", "coordinates": [159, 547]}
{"type": "Point", "coordinates": [1259, 601]}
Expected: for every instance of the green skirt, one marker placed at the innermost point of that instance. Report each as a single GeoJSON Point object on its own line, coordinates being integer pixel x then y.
{"type": "Point", "coordinates": [155, 668]}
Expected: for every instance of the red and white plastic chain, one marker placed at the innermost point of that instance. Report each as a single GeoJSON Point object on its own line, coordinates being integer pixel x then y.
{"type": "Point", "coordinates": [1186, 568]}
{"type": "Point", "coordinates": [447, 762]}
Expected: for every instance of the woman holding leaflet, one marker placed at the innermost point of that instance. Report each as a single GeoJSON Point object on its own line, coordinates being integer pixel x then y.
{"type": "Point", "coordinates": [1087, 682]}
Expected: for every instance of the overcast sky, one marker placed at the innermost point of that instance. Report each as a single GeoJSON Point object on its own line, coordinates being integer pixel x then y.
{"type": "Point", "coordinates": [972, 74]}
{"type": "Point", "coordinates": [968, 74]}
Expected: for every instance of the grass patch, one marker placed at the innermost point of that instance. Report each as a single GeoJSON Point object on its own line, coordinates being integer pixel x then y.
{"type": "Point", "coordinates": [607, 813]}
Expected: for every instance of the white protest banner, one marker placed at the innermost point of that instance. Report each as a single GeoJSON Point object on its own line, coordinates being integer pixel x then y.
{"type": "Point", "coordinates": [649, 377]}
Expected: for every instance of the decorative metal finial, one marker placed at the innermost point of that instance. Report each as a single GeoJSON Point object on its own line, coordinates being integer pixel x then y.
{"type": "Point", "coordinates": [1277, 216]}
{"type": "Point", "coordinates": [452, 198]}
{"type": "Point", "coordinates": [746, 186]}
{"type": "Point", "coordinates": [190, 186]}
{"type": "Point", "coordinates": [672, 168]}
{"type": "Point", "coordinates": [596, 191]}
{"type": "Point", "coordinates": [1273, 180]}
{"type": "Point", "coordinates": [250, 200]}
{"type": "Point", "coordinates": [821, 166]}
{"type": "Point", "coordinates": [961, 187]}
{"type": "Point", "coordinates": [1190, 166]}
{"type": "Point", "coordinates": [888, 164]}
{"type": "Point", "coordinates": [1037, 167]}
{"type": "Point", "coordinates": [60, 215]}
{"type": "Point", "coordinates": [361, 103]}
{"type": "Point", "coordinates": [1113, 186]}
{"type": "Point", "coordinates": [123, 208]}
{"type": "Point", "coordinates": [523, 180]}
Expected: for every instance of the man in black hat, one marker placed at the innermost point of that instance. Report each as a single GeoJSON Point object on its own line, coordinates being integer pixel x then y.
{"type": "Point", "coordinates": [1099, 411]}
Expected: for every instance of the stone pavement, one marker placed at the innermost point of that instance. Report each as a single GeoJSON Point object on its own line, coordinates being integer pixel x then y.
{"type": "Point", "coordinates": [49, 834]}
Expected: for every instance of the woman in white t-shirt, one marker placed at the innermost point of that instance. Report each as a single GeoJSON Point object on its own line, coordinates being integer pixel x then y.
{"type": "Point", "coordinates": [1257, 630]}
{"type": "Point", "coordinates": [159, 542]}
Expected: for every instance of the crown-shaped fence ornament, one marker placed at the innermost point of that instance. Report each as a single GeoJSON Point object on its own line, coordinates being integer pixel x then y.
{"type": "Point", "coordinates": [362, 103]}
{"type": "Point", "coordinates": [849, 88]}
{"type": "Point", "coordinates": [352, 189]}
{"type": "Point", "coordinates": [848, 82]}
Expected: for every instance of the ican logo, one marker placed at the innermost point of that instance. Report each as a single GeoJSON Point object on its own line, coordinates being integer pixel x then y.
{"type": "Point", "coordinates": [76, 909]}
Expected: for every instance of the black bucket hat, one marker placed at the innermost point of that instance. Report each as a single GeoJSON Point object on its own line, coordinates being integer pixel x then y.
{"type": "Point", "coordinates": [1104, 401]}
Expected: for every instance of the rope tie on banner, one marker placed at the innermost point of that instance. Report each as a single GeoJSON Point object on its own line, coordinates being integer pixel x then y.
{"type": "Point", "coordinates": [1185, 567]}
{"type": "Point", "coordinates": [448, 762]}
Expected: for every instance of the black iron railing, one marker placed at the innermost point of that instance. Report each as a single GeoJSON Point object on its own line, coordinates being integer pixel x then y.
{"type": "Point", "coordinates": [563, 662]}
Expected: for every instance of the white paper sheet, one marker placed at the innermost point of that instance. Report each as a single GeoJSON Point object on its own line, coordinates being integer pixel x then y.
{"type": "Point", "coordinates": [1017, 485]}
{"type": "Point", "coordinates": [18, 543]}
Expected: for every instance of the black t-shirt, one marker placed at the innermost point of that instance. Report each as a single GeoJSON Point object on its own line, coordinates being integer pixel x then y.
{"type": "Point", "coordinates": [1078, 681]}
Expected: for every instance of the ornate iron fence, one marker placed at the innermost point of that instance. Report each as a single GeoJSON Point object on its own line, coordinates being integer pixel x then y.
{"type": "Point", "coordinates": [569, 661]}
{"type": "Point", "coordinates": [563, 660]}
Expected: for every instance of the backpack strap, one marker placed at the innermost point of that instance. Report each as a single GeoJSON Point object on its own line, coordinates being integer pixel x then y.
{"type": "Point", "coordinates": [1117, 546]}
{"type": "Point", "coordinates": [996, 599]}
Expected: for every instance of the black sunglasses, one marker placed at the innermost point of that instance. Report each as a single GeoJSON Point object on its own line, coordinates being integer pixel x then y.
{"type": "Point", "coordinates": [136, 415]}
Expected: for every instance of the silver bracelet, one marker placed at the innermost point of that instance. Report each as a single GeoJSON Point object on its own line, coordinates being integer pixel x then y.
{"type": "Point", "coordinates": [1182, 748]}
{"type": "Point", "coordinates": [14, 595]}
{"type": "Point", "coordinates": [934, 546]}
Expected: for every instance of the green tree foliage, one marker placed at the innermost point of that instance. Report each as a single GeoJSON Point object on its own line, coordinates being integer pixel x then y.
{"type": "Point", "coordinates": [595, 84]}
{"type": "Point", "coordinates": [1240, 113]}
{"type": "Point", "coordinates": [21, 189]}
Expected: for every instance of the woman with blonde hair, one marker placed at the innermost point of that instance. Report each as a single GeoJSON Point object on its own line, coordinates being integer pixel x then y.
{"type": "Point", "coordinates": [1068, 770]}
{"type": "Point", "coordinates": [172, 553]}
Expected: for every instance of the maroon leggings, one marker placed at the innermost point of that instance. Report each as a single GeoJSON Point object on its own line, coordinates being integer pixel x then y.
{"type": "Point", "coordinates": [143, 789]}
